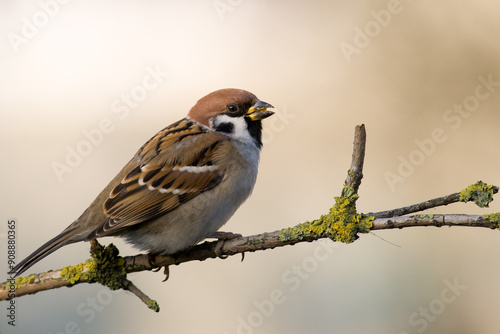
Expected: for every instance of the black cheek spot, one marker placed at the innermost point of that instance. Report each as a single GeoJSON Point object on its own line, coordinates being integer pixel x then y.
{"type": "Point", "coordinates": [225, 127]}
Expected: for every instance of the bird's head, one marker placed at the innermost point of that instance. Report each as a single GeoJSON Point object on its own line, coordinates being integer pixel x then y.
{"type": "Point", "coordinates": [235, 113]}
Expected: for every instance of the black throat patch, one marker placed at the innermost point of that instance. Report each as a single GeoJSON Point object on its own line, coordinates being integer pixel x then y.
{"type": "Point", "coordinates": [255, 130]}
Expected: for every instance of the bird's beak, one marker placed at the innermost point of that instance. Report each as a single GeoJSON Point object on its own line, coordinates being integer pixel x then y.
{"type": "Point", "coordinates": [259, 111]}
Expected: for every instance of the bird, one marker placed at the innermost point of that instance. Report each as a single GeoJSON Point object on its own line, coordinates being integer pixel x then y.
{"type": "Point", "coordinates": [182, 185]}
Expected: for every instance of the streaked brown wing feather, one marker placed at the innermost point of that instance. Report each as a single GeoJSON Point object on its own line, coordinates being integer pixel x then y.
{"type": "Point", "coordinates": [177, 164]}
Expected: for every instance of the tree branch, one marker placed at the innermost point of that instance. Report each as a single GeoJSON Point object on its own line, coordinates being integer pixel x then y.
{"type": "Point", "coordinates": [355, 173]}
{"type": "Point", "coordinates": [436, 220]}
{"type": "Point", "coordinates": [480, 193]}
{"type": "Point", "coordinates": [432, 203]}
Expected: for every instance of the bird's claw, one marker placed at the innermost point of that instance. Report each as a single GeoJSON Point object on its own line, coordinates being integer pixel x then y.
{"type": "Point", "coordinates": [166, 272]}
{"type": "Point", "coordinates": [221, 238]}
{"type": "Point", "coordinates": [218, 249]}
{"type": "Point", "coordinates": [152, 263]}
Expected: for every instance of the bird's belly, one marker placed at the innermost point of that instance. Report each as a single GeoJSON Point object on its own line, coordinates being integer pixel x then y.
{"type": "Point", "coordinates": [194, 220]}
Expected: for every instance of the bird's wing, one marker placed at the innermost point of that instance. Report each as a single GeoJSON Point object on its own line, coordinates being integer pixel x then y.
{"type": "Point", "coordinates": [177, 164]}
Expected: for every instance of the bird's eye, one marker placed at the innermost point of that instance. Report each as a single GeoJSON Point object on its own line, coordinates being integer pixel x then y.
{"type": "Point", "coordinates": [232, 108]}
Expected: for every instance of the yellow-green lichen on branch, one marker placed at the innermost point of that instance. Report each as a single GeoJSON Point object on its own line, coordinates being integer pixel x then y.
{"type": "Point", "coordinates": [23, 280]}
{"type": "Point", "coordinates": [342, 223]}
{"type": "Point", "coordinates": [105, 267]}
{"type": "Point", "coordinates": [153, 305]}
{"type": "Point", "coordinates": [494, 218]}
{"type": "Point", "coordinates": [108, 268]}
{"type": "Point", "coordinates": [479, 193]}
{"type": "Point", "coordinates": [72, 274]}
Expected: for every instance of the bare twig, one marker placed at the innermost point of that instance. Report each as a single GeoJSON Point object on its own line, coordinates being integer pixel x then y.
{"type": "Point", "coordinates": [355, 173]}
{"type": "Point", "coordinates": [432, 203]}
{"type": "Point", "coordinates": [128, 285]}
{"type": "Point", "coordinates": [432, 220]}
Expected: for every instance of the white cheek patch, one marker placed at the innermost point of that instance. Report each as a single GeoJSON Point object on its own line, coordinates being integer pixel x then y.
{"type": "Point", "coordinates": [240, 128]}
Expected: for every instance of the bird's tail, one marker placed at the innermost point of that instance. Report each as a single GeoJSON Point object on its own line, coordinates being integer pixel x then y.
{"type": "Point", "coordinates": [50, 246]}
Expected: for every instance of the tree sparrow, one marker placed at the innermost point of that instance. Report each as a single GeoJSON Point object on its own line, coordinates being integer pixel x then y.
{"type": "Point", "coordinates": [182, 185]}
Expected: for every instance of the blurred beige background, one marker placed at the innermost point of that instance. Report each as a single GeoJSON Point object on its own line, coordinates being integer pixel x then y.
{"type": "Point", "coordinates": [398, 67]}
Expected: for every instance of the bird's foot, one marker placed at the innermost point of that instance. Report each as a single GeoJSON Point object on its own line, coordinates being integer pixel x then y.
{"type": "Point", "coordinates": [221, 238]}
{"type": "Point", "coordinates": [152, 263]}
